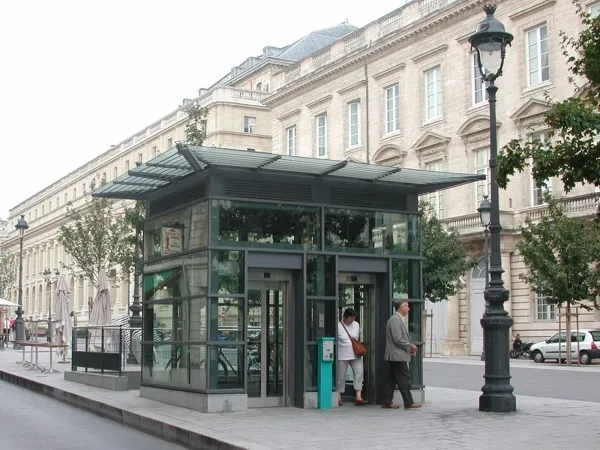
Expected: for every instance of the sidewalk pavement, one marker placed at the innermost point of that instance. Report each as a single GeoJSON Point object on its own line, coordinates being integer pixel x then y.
{"type": "Point", "coordinates": [449, 420]}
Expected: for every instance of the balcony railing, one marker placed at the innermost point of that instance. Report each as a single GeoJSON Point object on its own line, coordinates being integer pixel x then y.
{"type": "Point", "coordinates": [428, 6]}
{"type": "Point", "coordinates": [576, 206]}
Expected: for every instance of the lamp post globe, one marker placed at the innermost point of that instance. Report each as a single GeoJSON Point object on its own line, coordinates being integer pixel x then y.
{"type": "Point", "coordinates": [21, 228]}
{"type": "Point", "coordinates": [490, 41]}
{"type": "Point", "coordinates": [485, 211]}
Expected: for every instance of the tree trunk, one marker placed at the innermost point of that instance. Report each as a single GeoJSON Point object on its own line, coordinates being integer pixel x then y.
{"type": "Point", "coordinates": [568, 337]}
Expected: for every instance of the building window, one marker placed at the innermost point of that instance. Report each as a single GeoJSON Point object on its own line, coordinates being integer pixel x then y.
{"type": "Point", "coordinates": [595, 10]}
{"type": "Point", "coordinates": [354, 124]}
{"type": "Point", "coordinates": [84, 188]}
{"type": "Point", "coordinates": [115, 173]}
{"type": "Point", "coordinates": [259, 86]}
{"type": "Point", "coordinates": [291, 140]}
{"type": "Point", "coordinates": [249, 124]}
{"type": "Point", "coordinates": [140, 158]}
{"type": "Point", "coordinates": [66, 198]}
{"type": "Point", "coordinates": [126, 165]}
{"type": "Point", "coordinates": [392, 108]}
{"type": "Point", "coordinates": [74, 193]}
{"type": "Point", "coordinates": [482, 168]}
{"type": "Point", "coordinates": [479, 93]}
{"type": "Point", "coordinates": [321, 132]}
{"type": "Point", "coordinates": [154, 151]}
{"type": "Point", "coordinates": [537, 55]}
{"type": "Point", "coordinates": [50, 207]}
{"type": "Point", "coordinates": [544, 311]}
{"type": "Point", "coordinates": [169, 143]}
{"type": "Point", "coordinates": [436, 199]}
{"type": "Point", "coordinates": [537, 192]}
{"type": "Point", "coordinates": [250, 149]}
{"type": "Point", "coordinates": [433, 93]}
{"type": "Point", "coordinates": [103, 180]}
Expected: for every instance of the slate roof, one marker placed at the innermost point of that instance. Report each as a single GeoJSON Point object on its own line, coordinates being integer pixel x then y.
{"type": "Point", "coordinates": [315, 41]}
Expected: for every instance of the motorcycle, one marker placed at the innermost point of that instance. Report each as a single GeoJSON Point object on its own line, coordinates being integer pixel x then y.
{"type": "Point", "coordinates": [520, 348]}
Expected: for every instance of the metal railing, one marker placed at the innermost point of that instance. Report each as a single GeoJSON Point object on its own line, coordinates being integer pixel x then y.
{"type": "Point", "coordinates": [99, 347]}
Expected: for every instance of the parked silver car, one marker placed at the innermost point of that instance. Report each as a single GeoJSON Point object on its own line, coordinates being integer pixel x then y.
{"type": "Point", "coordinates": [555, 347]}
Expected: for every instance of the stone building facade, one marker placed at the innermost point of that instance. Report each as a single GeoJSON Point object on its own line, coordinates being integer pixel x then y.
{"type": "Point", "coordinates": [405, 91]}
{"type": "Point", "coordinates": [401, 91]}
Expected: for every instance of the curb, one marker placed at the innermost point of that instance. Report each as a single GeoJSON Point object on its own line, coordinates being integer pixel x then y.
{"type": "Point", "coordinates": [165, 431]}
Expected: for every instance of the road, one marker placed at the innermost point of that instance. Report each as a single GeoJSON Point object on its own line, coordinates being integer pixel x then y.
{"type": "Point", "coordinates": [538, 381]}
{"type": "Point", "coordinates": [33, 421]}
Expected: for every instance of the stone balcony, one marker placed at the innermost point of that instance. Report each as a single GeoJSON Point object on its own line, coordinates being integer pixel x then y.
{"type": "Point", "coordinates": [577, 206]}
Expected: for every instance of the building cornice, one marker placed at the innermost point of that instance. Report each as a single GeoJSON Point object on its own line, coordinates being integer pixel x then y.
{"type": "Point", "coordinates": [530, 9]}
{"type": "Point", "coordinates": [430, 52]}
{"type": "Point", "coordinates": [412, 32]}
{"type": "Point", "coordinates": [383, 73]}
{"type": "Point", "coordinates": [289, 114]}
{"type": "Point", "coordinates": [319, 101]}
{"type": "Point", "coordinates": [351, 87]}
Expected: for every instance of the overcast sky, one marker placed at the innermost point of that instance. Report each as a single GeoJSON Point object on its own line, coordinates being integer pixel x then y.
{"type": "Point", "coordinates": [78, 76]}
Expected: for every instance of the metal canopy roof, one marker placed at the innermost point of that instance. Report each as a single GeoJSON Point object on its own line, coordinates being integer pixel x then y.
{"type": "Point", "coordinates": [184, 160]}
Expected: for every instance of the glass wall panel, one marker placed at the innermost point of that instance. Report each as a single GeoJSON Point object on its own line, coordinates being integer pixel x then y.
{"type": "Point", "coordinates": [227, 319]}
{"type": "Point", "coordinates": [265, 225]}
{"type": "Point", "coordinates": [320, 275]}
{"type": "Point", "coordinates": [357, 231]}
{"type": "Point", "coordinates": [227, 272]}
{"type": "Point", "coordinates": [185, 276]}
{"type": "Point", "coordinates": [181, 230]}
{"type": "Point", "coordinates": [320, 322]}
{"type": "Point", "coordinates": [406, 279]}
{"type": "Point", "coordinates": [227, 367]}
{"type": "Point", "coordinates": [174, 365]}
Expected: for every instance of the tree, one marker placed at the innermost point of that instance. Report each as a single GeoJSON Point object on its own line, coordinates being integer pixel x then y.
{"type": "Point", "coordinates": [195, 129]}
{"type": "Point", "coordinates": [130, 255]}
{"type": "Point", "coordinates": [8, 273]}
{"type": "Point", "coordinates": [561, 254]}
{"type": "Point", "coordinates": [95, 239]}
{"type": "Point", "coordinates": [571, 153]}
{"type": "Point", "coordinates": [445, 258]}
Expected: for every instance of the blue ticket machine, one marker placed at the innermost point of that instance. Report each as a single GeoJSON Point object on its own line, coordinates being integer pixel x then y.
{"type": "Point", "coordinates": [325, 373]}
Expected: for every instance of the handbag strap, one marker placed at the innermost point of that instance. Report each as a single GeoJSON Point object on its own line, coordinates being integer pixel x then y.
{"type": "Point", "coordinates": [342, 322]}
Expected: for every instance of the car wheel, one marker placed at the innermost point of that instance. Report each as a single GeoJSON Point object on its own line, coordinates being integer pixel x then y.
{"type": "Point", "coordinates": [538, 357]}
{"type": "Point", "coordinates": [585, 357]}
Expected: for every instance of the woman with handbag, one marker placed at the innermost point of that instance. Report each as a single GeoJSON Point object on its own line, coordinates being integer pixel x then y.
{"type": "Point", "coordinates": [349, 353]}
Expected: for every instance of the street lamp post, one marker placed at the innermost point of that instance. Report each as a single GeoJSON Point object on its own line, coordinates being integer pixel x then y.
{"type": "Point", "coordinates": [484, 210]}
{"type": "Point", "coordinates": [490, 41]}
{"type": "Point", "coordinates": [50, 278]}
{"type": "Point", "coordinates": [21, 227]}
{"type": "Point", "coordinates": [135, 320]}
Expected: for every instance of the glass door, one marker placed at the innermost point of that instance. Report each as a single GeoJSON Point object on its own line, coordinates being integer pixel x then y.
{"type": "Point", "coordinates": [359, 298]}
{"type": "Point", "coordinates": [267, 343]}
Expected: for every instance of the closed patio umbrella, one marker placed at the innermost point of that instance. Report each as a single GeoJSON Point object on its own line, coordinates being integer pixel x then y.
{"type": "Point", "coordinates": [101, 315]}
{"type": "Point", "coordinates": [62, 308]}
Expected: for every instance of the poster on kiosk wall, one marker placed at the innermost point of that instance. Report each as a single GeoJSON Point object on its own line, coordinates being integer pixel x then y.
{"type": "Point", "coordinates": [172, 241]}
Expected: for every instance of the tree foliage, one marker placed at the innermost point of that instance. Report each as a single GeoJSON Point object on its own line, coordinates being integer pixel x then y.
{"type": "Point", "coordinates": [561, 254]}
{"type": "Point", "coordinates": [130, 256]}
{"type": "Point", "coordinates": [8, 273]}
{"type": "Point", "coordinates": [445, 258]}
{"type": "Point", "coordinates": [571, 153]}
{"type": "Point", "coordinates": [95, 238]}
{"type": "Point", "coordinates": [195, 129]}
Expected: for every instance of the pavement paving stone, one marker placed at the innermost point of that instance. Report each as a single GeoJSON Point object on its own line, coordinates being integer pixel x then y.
{"type": "Point", "coordinates": [449, 420]}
